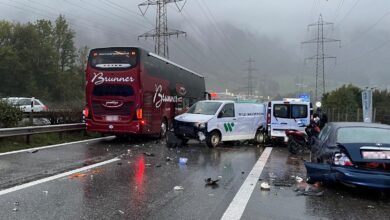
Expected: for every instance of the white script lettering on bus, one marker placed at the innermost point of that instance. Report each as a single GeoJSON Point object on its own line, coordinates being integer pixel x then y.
{"type": "Point", "coordinates": [159, 97]}
{"type": "Point", "coordinates": [99, 78]}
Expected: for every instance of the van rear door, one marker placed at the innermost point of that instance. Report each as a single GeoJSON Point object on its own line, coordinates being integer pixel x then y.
{"type": "Point", "coordinates": [288, 116]}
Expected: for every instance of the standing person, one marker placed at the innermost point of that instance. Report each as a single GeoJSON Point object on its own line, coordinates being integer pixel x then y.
{"type": "Point", "coordinates": [323, 117]}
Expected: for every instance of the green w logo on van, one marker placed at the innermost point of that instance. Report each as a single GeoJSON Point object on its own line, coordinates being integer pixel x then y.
{"type": "Point", "coordinates": [229, 126]}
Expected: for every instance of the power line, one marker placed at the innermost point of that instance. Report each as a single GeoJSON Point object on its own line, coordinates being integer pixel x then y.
{"type": "Point", "coordinates": [161, 33]}
{"type": "Point", "coordinates": [320, 57]}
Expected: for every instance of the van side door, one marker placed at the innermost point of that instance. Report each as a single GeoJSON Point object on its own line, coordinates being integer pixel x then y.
{"type": "Point", "coordinates": [226, 121]}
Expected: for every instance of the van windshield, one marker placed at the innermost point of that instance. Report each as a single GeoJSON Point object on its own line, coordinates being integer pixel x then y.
{"type": "Point", "coordinates": [204, 108]}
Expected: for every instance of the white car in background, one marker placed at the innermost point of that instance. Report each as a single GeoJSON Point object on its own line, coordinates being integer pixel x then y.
{"type": "Point", "coordinates": [27, 104]}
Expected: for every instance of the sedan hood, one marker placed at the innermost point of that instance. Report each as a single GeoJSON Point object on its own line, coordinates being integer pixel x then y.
{"type": "Point", "coordinates": [187, 117]}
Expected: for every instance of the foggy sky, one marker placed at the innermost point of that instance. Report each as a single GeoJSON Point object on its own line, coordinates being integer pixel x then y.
{"type": "Point", "coordinates": [223, 34]}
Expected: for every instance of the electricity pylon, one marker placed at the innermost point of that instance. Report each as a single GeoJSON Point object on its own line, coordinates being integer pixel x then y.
{"type": "Point", "coordinates": [320, 57]}
{"type": "Point", "coordinates": [161, 33]}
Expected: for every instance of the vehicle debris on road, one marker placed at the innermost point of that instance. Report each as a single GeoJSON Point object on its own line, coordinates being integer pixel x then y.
{"type": "Point", "coordinates": [298, 179]}
{"type": "Point", "coordinates": [265, 186]}
{"type": "Point", "coordinates": [212, 182]}
{"type": "Point", "coordinates": [77, 175]}
{"type": "Point", "coordinates": [178, 188]}
{"type": "Point", "coordinates": [305, 189]}
{"type": "Point", "coordinates": [183, 160]}
{"type": "Point", "coordinates": [148, 154]}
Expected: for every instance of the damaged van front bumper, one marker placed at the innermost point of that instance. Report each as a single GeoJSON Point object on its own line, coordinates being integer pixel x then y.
{"type": "Point", "coordinates": [190, 130]}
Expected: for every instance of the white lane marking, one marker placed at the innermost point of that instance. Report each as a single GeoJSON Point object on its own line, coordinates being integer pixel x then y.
{"type": "Point", "coordinates": [51, 146]}
{"type": "Point", "coordinates": [50, 178]}
{"type": "Point", "coordinates": [239, 202]}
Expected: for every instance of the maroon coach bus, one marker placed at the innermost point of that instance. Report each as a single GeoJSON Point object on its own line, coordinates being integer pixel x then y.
{"type": "Point", "coordinates": [132, 91]}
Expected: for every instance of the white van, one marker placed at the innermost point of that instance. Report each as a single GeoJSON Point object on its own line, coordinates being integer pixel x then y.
{"type": "Point", "coordinates": [217, 120]}
{"type": "Point", "coordinates": [287, 114]}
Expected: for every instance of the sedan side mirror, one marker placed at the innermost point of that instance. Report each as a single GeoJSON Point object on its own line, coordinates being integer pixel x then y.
{"type": "Point", "coordinates": [220, 114]}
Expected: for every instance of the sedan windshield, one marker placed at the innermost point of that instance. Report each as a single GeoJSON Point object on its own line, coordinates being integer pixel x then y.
{"type": "Point", "coordinates": [363, 135]}
{"type": "Point", "coordinates": [205, 108]}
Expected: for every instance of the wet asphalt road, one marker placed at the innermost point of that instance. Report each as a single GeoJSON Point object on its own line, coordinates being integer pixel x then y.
{"type": "Point", "coordinates": [140, 186]}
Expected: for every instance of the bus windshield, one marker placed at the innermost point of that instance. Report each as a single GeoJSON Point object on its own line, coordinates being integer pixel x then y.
{"type": "Point", "coordinates": [111, 58]}
{"type": "Point", "coordinates": [204, 108]}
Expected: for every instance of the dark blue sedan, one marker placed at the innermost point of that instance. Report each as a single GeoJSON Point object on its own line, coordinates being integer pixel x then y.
{"type": "Point", "coordinates": [354, 154]}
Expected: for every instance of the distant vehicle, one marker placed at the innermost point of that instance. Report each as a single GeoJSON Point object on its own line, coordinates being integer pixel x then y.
{"type": "Point", "coordinates": [216, 121]}
{"type": "Point", "coordinates": [132, 91]}
{"type": "Point", "coordinates": [289, 114]}
{"type": "Point", "coordinates": [27, 104]}
{"type": "Point", "coordinates": [352, 153]}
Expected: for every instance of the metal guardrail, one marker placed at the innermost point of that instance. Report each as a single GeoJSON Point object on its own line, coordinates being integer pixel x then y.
{"type": "Point", "coordinates": [56, 117]}
{"type": "Point", "coordinates": [27, 131]}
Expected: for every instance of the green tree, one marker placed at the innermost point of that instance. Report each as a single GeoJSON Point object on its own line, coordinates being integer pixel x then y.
{"type": "Point", "coordinates": [346, 99]}
{"type": "Point", "coordinates": [63, 38]}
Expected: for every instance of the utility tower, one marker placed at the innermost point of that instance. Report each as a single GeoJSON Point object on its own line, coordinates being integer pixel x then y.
{"type": "Point", "coordinates": [320, 57]}
{"type": "Point", "coordinates": [161, 33]}
{"type": "Point", "coordinates": [250, 70]}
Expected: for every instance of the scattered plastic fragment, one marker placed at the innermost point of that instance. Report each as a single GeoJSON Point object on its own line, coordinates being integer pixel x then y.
{"type": "Point", "coordinates": [370, 207]}
{"type": "Point", "coordinates": [282, 184]}
{"type": "Point", "coordinates": [149, 154]}
{"type": "Point", "coordinates": [158, 165]}
{"type": "Point", "coordinates": [77, 175]}
{"type": "Point", "coordinates": [121, 212]}
{"type": "Point", "coordinates": [298, 179]}
{"type": "Point", "coordinates": [178, 188]}
{"type": "Point", "coordinates": [34, 151]}
{"type": "Point", "coordinates": [305, 189]}
{"type": "Point", "coordinates": [168, 159]}
{"type": "Point", "coordinates": [15, 209]}
{"type": "Point", "coordinates": [211, 182]}
{"type": "Point", "coordinates": [16, 203]}
{"type": "Point", "coordinates": [242, 172]}
{"type": "Point", "coordinates": [183, 160]}
{"type": "Point", "coordinates": [265, 186]}
{"type": "Point", "coordinates": [310, 193]}
{"type": "Point", "coordinates": [45, 192]}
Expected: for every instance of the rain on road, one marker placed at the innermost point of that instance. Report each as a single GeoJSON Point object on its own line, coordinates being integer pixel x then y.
{"type": "Point", "coordinates": [140, 183]}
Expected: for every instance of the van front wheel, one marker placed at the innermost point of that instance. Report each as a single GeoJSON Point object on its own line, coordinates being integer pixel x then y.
{"type": "Point", "coordinates": [213, 139]}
